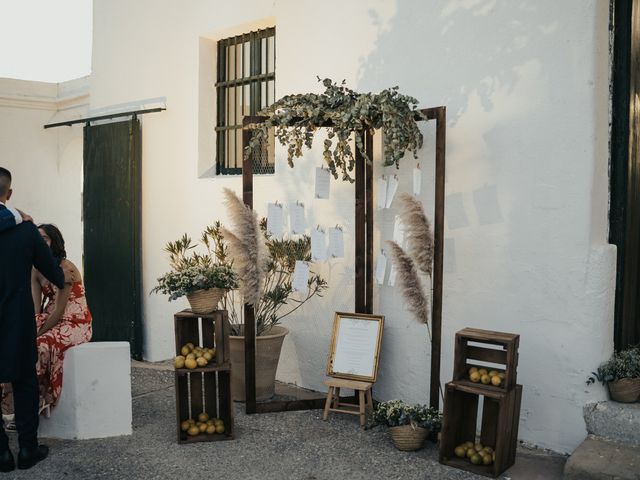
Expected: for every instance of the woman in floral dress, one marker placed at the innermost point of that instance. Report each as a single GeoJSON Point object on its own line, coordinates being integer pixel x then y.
{"type": "Point", "coordinates": [62, 319]}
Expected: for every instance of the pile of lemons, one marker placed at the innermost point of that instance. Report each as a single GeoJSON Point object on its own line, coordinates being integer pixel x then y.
{"type": "Point", "coordinates": [476, 453]}
{"type": "Point", "coordinates": [194, 356]}
{"type": "Point", "coordinates": [486, 377]}
{"type": "Point", "coordinates": [204, 424]}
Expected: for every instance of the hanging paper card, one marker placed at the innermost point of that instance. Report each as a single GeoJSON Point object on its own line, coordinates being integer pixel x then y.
{"type": "Point", "coordinates": [336, 242]}
{"type": "Point", "coordinates": [381, 192]}
{"type": "Point", "coordinates": [275, 220]}
{"type": "Point", "coordinates": [318, 246]}
{"type": "Point", "coordinates": [398, 231]}
{"type": "Point", "coordinates": [296, 213]}
{"type": "Point", "coordinates": [300, 276]}
{"type": "Point", "coordinates": [392, 188]}
{"type": "Point", "coordinates": [381, 268]}
{"type": "Point", "coordinates": [392, 276]}
{"type": "Point", "coordinates": [417, 181]}
{"type": "Point", "coordinates": [323, 183]}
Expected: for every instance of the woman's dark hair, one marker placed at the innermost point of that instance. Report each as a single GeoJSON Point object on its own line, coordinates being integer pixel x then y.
{"type": "Point", "coordinates": [57, 242]}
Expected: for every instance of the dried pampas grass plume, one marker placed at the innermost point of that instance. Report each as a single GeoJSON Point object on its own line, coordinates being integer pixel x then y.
{"type": "Point", "coordinates": [246, 247]}
{"type": "Point", "coordinates": [410, 283]}
{"type": "Point", "coordinates": [417, 232]}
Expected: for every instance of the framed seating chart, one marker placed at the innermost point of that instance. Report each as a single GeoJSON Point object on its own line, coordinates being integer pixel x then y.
{"type": "Point", "coordinates": [355, 346]}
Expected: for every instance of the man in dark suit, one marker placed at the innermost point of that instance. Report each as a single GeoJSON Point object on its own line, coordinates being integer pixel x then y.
{"type": "Point", "coordinates": [21, 248]}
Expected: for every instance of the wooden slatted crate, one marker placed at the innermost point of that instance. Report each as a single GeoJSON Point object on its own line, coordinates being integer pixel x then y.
{"type": "Point", "coordinates": [486, 349]}
{"type": "Point", "coordinates": [499, 425]}
{"type": "Point", "coordinates": [204, 389]}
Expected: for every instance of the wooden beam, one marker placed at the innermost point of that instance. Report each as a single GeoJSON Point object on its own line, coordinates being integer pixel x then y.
{"type": "Point", "coordinates": [369, 273]}
{"type": "Point", "coordinates": [249, 314]}
{"type": "Point", "coordinates": [360, 233]}
{"type": "Point", "coordinates": [440, 114]}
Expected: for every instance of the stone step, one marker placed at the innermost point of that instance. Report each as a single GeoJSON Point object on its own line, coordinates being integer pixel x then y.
{"type": "Point", "coordinates": [598, 459]}
{"type": "Point", "coordinates": [615, 421]}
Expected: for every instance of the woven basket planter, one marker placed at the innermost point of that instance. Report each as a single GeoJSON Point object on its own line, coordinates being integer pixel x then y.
{"type": "Point", "coordinates": [408, 438]}
{"type": "Point", "coordinates": [625, 390]}
{"type": "Point", "coordinates": [205, 301]}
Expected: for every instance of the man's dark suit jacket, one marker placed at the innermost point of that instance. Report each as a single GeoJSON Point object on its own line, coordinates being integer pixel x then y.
{"type": "Point", "coordinates": [7, 220]}
{"type": "Point", "coordinates": [21, 247]}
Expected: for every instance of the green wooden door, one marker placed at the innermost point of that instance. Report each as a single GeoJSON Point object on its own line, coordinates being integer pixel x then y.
{"type": "Point", "coordinates": [112, 249]}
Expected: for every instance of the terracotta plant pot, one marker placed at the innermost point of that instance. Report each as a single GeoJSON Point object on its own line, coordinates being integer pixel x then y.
{"type": "Point", "coordinates": [268, 349]}
{"type": "Point", "coordinates": [408, 438]}
{"type": "Point", "coordinates": [205, 301]}
{"type": "Point", "coordinates": [625, 390]}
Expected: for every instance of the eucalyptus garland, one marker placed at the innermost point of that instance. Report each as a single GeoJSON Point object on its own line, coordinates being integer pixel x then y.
{"type": "Point", "coordinates": [296, 118]}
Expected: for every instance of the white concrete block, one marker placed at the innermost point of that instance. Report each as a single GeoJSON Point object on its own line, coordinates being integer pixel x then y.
{"type": "Point", "coordinates": [96, 393]}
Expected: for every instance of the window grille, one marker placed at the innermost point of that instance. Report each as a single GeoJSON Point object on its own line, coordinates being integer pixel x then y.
{"type": "Point", "coordinates": [246, 84]}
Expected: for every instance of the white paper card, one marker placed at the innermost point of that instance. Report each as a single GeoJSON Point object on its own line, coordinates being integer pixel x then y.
{"type": "Point", "coordinates": [300, 276]}
{"type": "Point", "coordinates": [417, 181]}
{"type": "Point", "coordinates": [381, 268]}
{"type": "Point", "coordinates": [336, 243]}
{"type": "Point", "coordinates": [323, 183]}
{"type": "Point", "coordinates": [318, 245]}
{"type": "Point", "coordinates": [296, 214]}
{"type": "Point", "coordinates": [275, 220]}
{"type": "Point", "coordinates": [392, 188]}
{"type": "Point", "coordinates": [381, 192]}
{"type": "Point", "coordinates": [398, 231]}
{"type": "Point", "coordinates": [392, 276]}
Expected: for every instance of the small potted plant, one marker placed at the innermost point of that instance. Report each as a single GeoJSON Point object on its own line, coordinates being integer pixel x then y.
{"type": "Point", "coordinates": [202, 277]}
{"type": "Point", "coordinates": [409, 424]}
{"type": "Point", "coordinates": [621, 374]}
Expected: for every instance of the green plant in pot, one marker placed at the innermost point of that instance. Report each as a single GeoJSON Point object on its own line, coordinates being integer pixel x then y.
{"type": "Point", "coordinates": [203, 277]}
{"type": "Point", "coordinates": [265, 266]}
{"type": "Point", "coordinates": [409, 424]}
{"type": "Point", "coordinates": [621, 374]}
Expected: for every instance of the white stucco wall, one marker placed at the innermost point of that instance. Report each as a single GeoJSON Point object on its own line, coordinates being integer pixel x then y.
{"type": "Point", "coordinates": [526, 90]}
{"type": "Point", "coordinates": [46, 165]}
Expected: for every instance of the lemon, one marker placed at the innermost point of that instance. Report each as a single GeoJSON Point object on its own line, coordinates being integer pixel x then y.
{"type": "Point", "coordinates": [191, 421]}
{"type": "Point", "coordinates": [203, 417]}
{"type": "Point", "coordinates": [184, 426]}
{"type": "Point", "coordinates": [489, 450]}
{"type": "Point", "coordinates": [474, 377]}
{"type": "Point", "coordinates": [460, 451]}
{"type": "Point", "coordinates": [207, 356]}
{"type": "Point", "coordinates": [190, 363]}
{"type": "Point", "coordinates": [496, 380]}
{"type": "Point", "coordinates": [185, 351]}
{"type": "Point", "coordinates": [486, 459]}
{"type": "Point", "coordinates": [501, 375]}
{"type": "Point", "coordinates": [485, 379]}
{"type": "Point", "coordinates": [471, 452]}
{"type": "Point", "coordinates": [476, 459]}
{"type": "Point", "coordinates": [473, 369]}
{"type": "Point", "coordinates": [468, 444]}
{"type": "Point", "coordinates": [478, 447]}
{"type": "Point", "coordinates": [189, 345]}
{"type": "Point", "coordinates": [190, 356]}
{"type": "Point", "coordinates": [219, 428]}
{"type": "Point", "coordinates": [179, 362]}
{"type": "Point", "coordinates": [493, 373]}
{"type": "Point", "coordinates": [203, 427]}
{"type": "Point", "coordinates": [211, 429]}
{"type": "Point", "coordinates": [193, 431]}
{"type": "Point", "coordinates": [482, 371]}
{"type": "Point", "coordinates": [201, 361]}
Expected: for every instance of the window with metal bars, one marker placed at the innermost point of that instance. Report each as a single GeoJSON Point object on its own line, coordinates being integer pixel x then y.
{"type": "Point", "coordinates": [246, 84]}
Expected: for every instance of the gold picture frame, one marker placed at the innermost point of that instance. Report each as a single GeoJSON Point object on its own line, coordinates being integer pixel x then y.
{"type": "Point", "coordinates": [355, 346]}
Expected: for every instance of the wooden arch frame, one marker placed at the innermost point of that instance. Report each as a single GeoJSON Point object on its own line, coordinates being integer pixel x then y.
{"type": "Point", "coordinates": [363, 260]}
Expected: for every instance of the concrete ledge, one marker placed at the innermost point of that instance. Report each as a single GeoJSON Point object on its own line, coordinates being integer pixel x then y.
{"type": "Point", "coordinates": [96, 393]}
{"type": "Point", "coordinates": [598, 459]}
{"type": "Point", "coordinates": [619, 422]}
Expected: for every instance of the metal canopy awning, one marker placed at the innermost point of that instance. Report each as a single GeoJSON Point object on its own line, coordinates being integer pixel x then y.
{"type": "Point", "coordinates": [134, 113]}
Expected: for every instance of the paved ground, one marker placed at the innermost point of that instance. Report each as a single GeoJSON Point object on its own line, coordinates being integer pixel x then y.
{"type": "Point", "coordinates": [292, 445]}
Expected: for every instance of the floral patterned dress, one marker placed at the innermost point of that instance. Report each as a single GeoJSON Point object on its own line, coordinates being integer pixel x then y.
{"type": "Point", "coordinates": [73, 328]}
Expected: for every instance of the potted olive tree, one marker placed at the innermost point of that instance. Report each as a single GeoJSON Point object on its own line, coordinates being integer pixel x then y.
{"type": "Point", "coordinates": [621, 374]}
{"type": "Point", "coordinates": [203, 277]}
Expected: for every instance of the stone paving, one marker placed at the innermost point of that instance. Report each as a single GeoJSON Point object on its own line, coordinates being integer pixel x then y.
{"type": "Point", "coordinates": [291, 445]}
